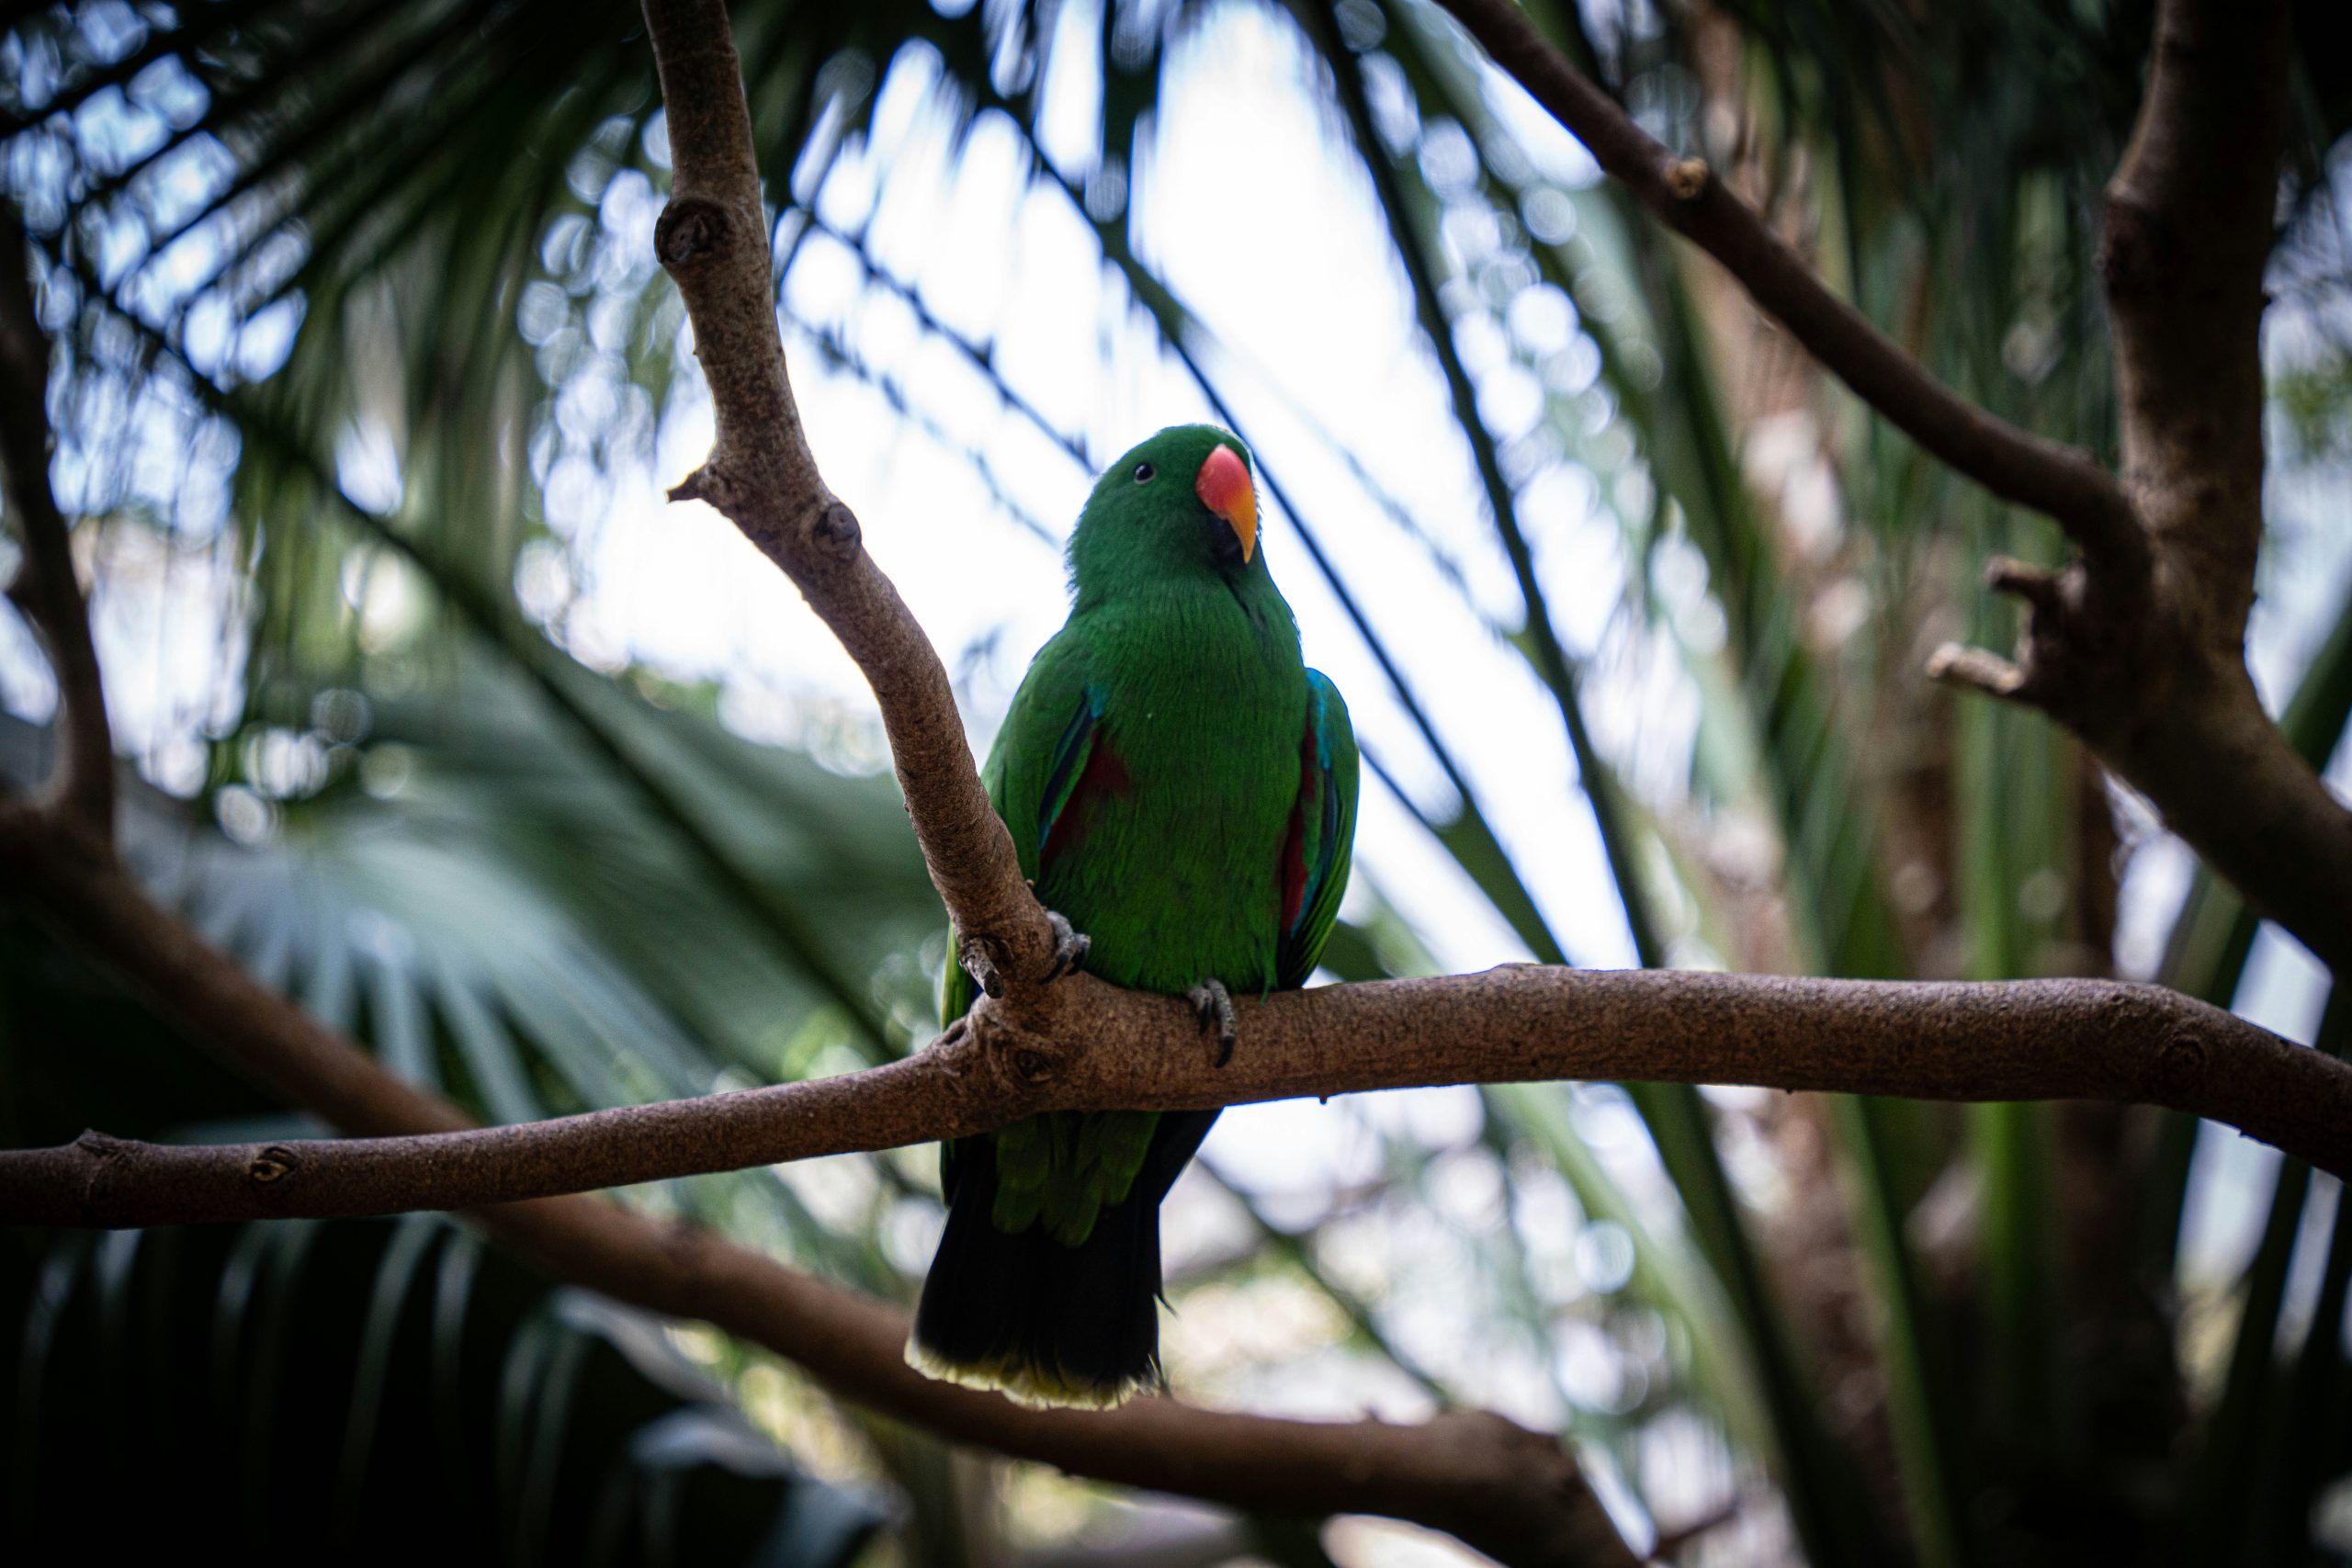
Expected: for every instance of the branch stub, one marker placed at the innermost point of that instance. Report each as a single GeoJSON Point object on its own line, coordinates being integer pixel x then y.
{"type": "Point", "coordinates": [691, 231]}
{"type": "Point", "coordinates": [2180, 1062]}
{"type": "Point", "coordinates": [836, 531]}
{"type": "Point", "coordinates": [981, 956]}
{"type": "Point", "coordinates": [275, 1162]}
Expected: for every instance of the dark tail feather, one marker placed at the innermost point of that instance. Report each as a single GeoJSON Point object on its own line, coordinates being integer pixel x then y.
{"type": "Point", "coordinates": [1044, 1322]}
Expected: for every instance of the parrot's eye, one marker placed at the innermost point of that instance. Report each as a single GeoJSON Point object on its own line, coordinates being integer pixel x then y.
{"type": "Point", "coordinates": [1144, 472]}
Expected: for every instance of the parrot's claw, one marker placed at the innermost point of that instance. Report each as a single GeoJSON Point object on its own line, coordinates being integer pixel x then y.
{"type": "Point", "coordinates": [1213, 1004]}
{"type": "Point", "coordinates": [1069, 947]}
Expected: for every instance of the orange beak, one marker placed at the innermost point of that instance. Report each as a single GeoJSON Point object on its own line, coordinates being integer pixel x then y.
{"type": "Point", "coordinates": [1224, 487]}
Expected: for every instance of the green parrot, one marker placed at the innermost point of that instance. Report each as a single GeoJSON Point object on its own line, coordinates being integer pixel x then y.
{"type": "Point", "coordinates": [1182, 789]}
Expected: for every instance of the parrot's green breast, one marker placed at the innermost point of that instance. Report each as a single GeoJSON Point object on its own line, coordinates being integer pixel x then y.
{"type": "Point", "coordinates": [1169, 852]}
{"type": "Point", "coordinates": [1164, 844]}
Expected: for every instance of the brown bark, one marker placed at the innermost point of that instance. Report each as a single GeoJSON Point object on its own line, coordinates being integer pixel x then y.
{"type": "Point", "coordinates": [2016, 465]}
{"type": "Point", "coordinates": [2137, 647]}
{"type": "Point", "coordinates": [1513, 1494]}
{"type": "Point", "coordinates": [1083, 1045]}
{"type": "Point", "coordinates": [2155, 678]}
{"type": "Point", "coordinates": [1509, 1491]}
{"type": "Point", "coordinates": [1079, 1044]}
{"type": "Point", "coordinates": [713, 239]}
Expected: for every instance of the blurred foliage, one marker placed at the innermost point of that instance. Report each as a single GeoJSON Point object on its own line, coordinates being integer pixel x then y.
{"type": "Point", "coordinates": [364, 1387]}
{"type": "Point", "coordinates": [358, 316]}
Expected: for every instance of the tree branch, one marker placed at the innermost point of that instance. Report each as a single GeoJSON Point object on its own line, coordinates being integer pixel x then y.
{"type": "Point", "coordinates": [2017, 466]}
{"type": "Point", "coordinates": [2138, 646]}
{"type": "Point", "coordinates": [80, 799]}
{"type": "Point", "coordinates": [1083, 1045]}
{"type": "Point", "coordinates": [712, 239]}
{"type": "Point", "coordinates": [1511, 1493]}
{"type": "Point", "coordinates": [2150, 671]}
{"type": "Point", "coordinates": [1079, 1044]}
{"type": "Point", "coordinates": [2189, 225]}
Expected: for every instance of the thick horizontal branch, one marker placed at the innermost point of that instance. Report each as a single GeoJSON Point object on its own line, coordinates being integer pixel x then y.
{"type": "Point", "coordinates": [1082, 1045]}
{"type": "Point", "coordinates": [2060, 481]}
{"type": "Point", "coordinates": [1512, 1493]}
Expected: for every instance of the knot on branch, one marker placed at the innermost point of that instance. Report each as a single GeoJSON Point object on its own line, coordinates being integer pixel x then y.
{"type": "Point", "coordinates": [983, 958]}
{"type": "Point", "coordinates": [692, 230]}
{"type": "Point", "coordinates": [2181, 1061]}
{"type": "Point", "coordinates": [836, 532]}
{"type": "Point", "coordinates": [104, 1151]}
{"type": "Point", "coordinates": [1686, 179]}
{"type": "Point", "coordinates": [274, 1163]}
{"type": "Point", "coordinates": [709, 484]}
{"type": "Point", "coordinates": [1020, 1060]}
{"type": "Point", "coordinates": [986, 1043]}
{"type": "Point", "coordinates": [102, 1145]}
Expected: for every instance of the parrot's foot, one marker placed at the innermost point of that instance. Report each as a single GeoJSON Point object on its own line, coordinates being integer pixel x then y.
{"type": "Point", "coordinates": [978, 956]}
{"type": "Point", "coordinates": [1213, 1004]}
{"type": "Point", "coordinates": [1069, 947]}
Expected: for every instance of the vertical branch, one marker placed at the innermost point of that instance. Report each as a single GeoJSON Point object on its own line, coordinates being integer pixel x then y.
{"type": "Point", "coordinates": [80, 796]}
{"type": "Point", "coordinates": [2158, 684]}
{"type": "Point", "coordinates": [2189, 223]}
{"type": "Point", "coordinates": [2147, 663]}
{"type": "Point", "coordinates": [713, 240]}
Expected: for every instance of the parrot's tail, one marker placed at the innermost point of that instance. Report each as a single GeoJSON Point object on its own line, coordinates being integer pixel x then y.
{"type": "Point", "coordinates": [1042, 1321]}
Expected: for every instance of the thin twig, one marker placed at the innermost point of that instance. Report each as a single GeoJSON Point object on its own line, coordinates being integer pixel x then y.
{"type": "Point", "coordinates": [2017, 466]}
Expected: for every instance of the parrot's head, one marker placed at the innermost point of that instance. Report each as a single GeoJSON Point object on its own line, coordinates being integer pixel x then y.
{"type": "Point", "coordinates": [1180, 505]}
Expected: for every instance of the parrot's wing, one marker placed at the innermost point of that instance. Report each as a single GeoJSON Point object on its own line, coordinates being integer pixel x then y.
{"type": "Point", "coordinates": [1032, 770]}
{"type": "Point", "coordinates": [1323, 831]}
{"type": "Point", "coordinates": [1059, 1168]}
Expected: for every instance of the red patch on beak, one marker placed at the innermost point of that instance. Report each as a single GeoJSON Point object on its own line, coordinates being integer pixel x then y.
{"type": "Point", "coordinates": [1224, 487]}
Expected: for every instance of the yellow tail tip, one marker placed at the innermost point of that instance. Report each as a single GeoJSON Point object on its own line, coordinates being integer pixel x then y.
{"type": "Point", "coordinates": [1037, 1388]}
